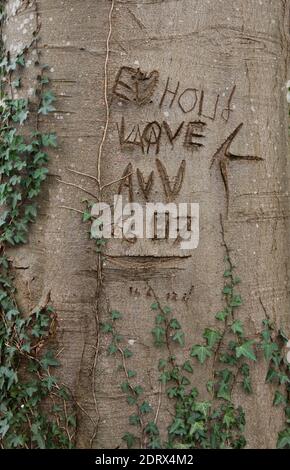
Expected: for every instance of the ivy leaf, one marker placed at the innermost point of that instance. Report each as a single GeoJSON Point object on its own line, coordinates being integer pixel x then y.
{"type": "Point", "coordinates": [188, 367]}
{"type": "Point", "coordinates": [17, 441]}
{"type": "Point", "coordinates": [229, 417]}
{"type": "Point", "coordinates": [247, 384]}
{"type": "Point", "coordinates": [49, 140]}
{"type": "Point", "coordinates": [125, 387]}
{"type": "Point", "coordinates": [130, 439]}
{"type": "Point", "coordinates": [179, 338]}
{"type": "Point", "coordinates": [237, 328]}
{"type": "Point", "coordinates": [86, 216]}
{"type": "Point", "coordinates": [37, 435]}
{"type": "Point", "coordinates": [272, 375]}
{"type": "Point", "coordinates": [107, 328]}
{"type": "Point", "coordinates": [4, 427]}
{"type": "Point", "coordinates": [46, 103]}
{"type": "Point", "coordinates": [227, 290]}
{"type": "Point", "coordinates": [236, 301]}
{"type": "Point", "coordinates": [279, 399]}
{"type": "Point", "coordinates": [152, 428]}
{"type": "Point", "coordinates": [203, 407]}
{"type": "Point", "coordinates": [155, 306]}
{"type": "Point", "coordinates": [167, 310]}
{"type": "Point", "coordinates": [224, 391]}
{"type": "Point", "coordinates": [131, 373]}
{"type": "Point", "coordinates": [115, 315]}
{"type": "Point", "coordinates": [145, 407]}
{"type": "Point", "coordinates": [246, 350]}
{"type": "Point", "coordinates": [112, 349]}
{"type": "Point", "coordinates": [49, 360]}
{"type": "Point", "coordinates": [222, 315]}
{"type": "Point", "coordinates": [16, 83]}
{"type": "Point", "coordinates": [174, 324]}
{"type": "Point", "coordinates": [162, 364]}
{"type": "Point", "coordinates": [131, 400]}
{"type": "Point", "coordinates": [284, 439]}
{"type": "Point", "coordinates": [269, 348]}
{"type": "Point", "coordinates": [138, 390]}
{"type": "Point", "coordinates": [212, 337]}
{"type": "Point", "coordinates": [283, 336]}
{"type": "Point", "coordinates": [127, 353]}
{"type": "Point", "coordinates": [159, 335]}
{"type": "Point", "coordinates": [201, 352]}
{"type": "Point", "coordinates": [228, 273]}
{"type": "Point", "coordinates": [134, 420]}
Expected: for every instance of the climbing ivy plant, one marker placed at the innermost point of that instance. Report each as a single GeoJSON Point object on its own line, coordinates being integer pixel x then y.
{"type": "Point", "coordinates": [35, 409]}
{"type": "Point", "coordinates": [214, 423]}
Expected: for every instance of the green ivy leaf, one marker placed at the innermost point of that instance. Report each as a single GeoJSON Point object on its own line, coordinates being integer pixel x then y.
{"type": "Point", "coordinates": [188, 367]}
{"type": "Point", "coordinates": [49, 360]}
{"type": "Point", "coordinates": [269, 349]}
{"type": "Point", "coordinates": [211, 336]}
{"type": "Point", "coordinates": [49, 140]}
{"type": "Point", "coordinates": [246, 350]}
{"type": "Point", "coordinates": [279, 399]}
{"type": "Point", "coordinates": [116, 315]}
{"type": "Point", "coordinates": [145, 407]}
{"type": "Point", "coordinates": [222, 315]}
{"type": "Point", "coordinates": [130, 439]}
{"type": "Point", "coordinates": [179, 338]}
{"type": "Point", "coordinates": [134, 420]}
{"type": "Point", "coordinates": [201, 352]}
{"type": "Point", "coordinates": [237, 328]}
{"type": "Point", "coordinates": [174, 324]}
{"type": "Point", "coordinates": [284, 439]}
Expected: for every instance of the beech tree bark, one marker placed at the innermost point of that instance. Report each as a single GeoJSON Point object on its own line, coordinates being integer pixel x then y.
{"type": "Point", "coordinates": [213, 95]}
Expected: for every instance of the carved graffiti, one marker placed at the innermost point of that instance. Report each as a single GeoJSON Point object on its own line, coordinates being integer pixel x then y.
{"type": "Point", "coordinates": [127, 182]}
{"type": "Point", "coordinates": [227, 111]}
{"type": "Point", "coordinates": [134, 138]}
{"type": "Point", "coordinates": [223, 156]}
{"type": "Point", "coordinates": [191, 99]}
{"type": "Point", "coordinates": [171, 191]}
{"type": "Point", "coordinates": [133, 85]}
{"type": "Point", "coordinates": [151, 136]}
{"type": "Point", "coordinates": [169, 132]}
{"type": "Point", "coordinates": [194, 135]}
{"type": "Point", "coordinates": [145, 186]}
{"type": "Point", "coordinates": [201, 106]}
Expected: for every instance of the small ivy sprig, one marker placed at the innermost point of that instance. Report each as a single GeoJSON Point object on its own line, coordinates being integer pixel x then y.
{"type": "Point", "coordinates": [148, 435]}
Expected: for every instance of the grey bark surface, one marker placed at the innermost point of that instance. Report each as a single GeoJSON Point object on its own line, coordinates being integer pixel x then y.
{"type": "Point", "coordinates": [218, 47]}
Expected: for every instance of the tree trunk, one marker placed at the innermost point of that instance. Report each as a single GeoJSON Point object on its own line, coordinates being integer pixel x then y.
{"type": "Point", "coordinates": [211, 106]}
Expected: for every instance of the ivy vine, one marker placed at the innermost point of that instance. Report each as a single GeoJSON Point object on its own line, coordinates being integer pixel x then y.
{"type": "Point", "coordinates": [215, 423]}
{"type": "Point", "coordinates": [35, 409]}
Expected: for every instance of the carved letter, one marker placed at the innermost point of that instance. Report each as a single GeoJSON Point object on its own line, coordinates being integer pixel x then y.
{"type": "Point", "coordinates": [169, 133]}
{"type": "Point", "coordinates": [145, 186]}
{"type": "Point", "coordinates": [171, 192]}
{"type": "Point", "coordinates": [200, 112]}
{"type": "Point", "coordinates": [174, 93]}
{"type": "Point", "coordinates": [193, 133]}
{"type": "Point", "coordinates": [192, 106]}
{"type": "Point", "coordinates": [151, 135]}
{"type": "Point", "coordinates": [227, 111]}
{"type": "Point", "coordinates": [127, 182]}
